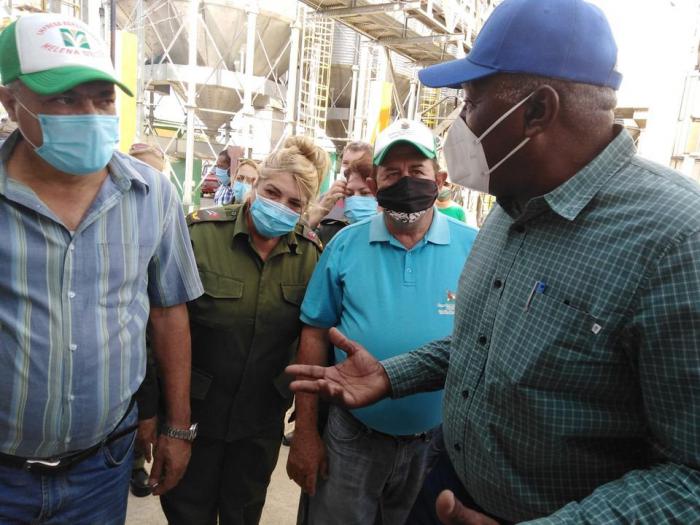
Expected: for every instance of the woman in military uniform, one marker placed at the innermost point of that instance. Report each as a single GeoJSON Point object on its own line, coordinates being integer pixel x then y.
{"type": "Point", "coordinates": [254, 260]}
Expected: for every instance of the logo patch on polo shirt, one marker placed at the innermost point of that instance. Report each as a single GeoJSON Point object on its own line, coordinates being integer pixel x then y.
{"type": "Point", "coordinates": [448, 307]}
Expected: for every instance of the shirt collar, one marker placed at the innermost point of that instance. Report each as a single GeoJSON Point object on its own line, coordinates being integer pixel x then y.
{"type": "Point", "coordinates": [570, 198]}
{"type": "Point", "coordinates": [438, 233]}
{"type": "Point", "coordinates": [123, 174]}
{"type": "Point", "coordinates": [119, 170]}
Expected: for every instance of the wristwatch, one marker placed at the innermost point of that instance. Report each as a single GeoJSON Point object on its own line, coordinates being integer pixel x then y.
{"type": "Point", "coordinates": [187, 434]}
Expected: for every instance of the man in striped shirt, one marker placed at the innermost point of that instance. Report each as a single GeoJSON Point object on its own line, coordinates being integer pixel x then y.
{"type": "Point", "coordinates": [94, 243]}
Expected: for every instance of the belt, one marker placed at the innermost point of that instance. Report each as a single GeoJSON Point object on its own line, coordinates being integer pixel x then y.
{"type": "Point", "coordinates": [60, 464]}
{"type": "Point", "coordinates": [425, 436]}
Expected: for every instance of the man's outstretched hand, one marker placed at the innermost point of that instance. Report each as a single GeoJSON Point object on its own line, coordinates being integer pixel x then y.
{"type": "Point", "coordinates": [358, 381]}
{"type": "Point", "coordinates": [450, 511]}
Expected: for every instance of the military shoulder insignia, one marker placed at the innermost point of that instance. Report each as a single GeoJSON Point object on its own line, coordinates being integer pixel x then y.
{"type": "Point", "coordinates": [310, 235]}
{"type": "Point", "coordinates": [225, 213]}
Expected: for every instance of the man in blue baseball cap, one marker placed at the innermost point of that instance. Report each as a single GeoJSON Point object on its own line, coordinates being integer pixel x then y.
{"type": "Point", "coordinates": [572, 377]}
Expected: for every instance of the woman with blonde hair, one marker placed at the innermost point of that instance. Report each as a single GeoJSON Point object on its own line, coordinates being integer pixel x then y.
{"type": "Point", "coordinates": [254, 260]}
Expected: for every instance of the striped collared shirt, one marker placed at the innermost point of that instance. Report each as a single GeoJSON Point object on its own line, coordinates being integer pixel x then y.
{"type": "Point", "coordinates": [573, 373]}
{"type": "Point", "coordinates": [74, 305]}
{"type": "Point", "coordinates": [223, 195]}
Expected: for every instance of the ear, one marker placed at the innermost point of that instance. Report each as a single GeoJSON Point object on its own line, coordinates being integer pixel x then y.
{"type": "Point", "coordinates": [440, 178]}
{"type": "Point", "coordinates": [8, 101]}
{"type": "Point", "coordinates": [372, 185]}
{"type": "Point", "coordinates": [541, 110]}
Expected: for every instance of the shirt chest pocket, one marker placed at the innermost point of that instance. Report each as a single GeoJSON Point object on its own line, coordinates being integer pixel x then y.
{"type": "Point", "coordinates": [553, 346]}
{"type": "Point", "coordinates": [223, 303]}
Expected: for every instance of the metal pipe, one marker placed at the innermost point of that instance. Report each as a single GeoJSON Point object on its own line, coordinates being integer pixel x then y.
{"type": "Point", "coordinates": [362, 82]}
{"type": "Point", "coordinates": [113, 31]}
{"type": "Point", "coordinates": [292, 78]}
{"type": "Point", "coordinates": [412, 98]}
{"type": "Point", "coordinates": [191, 104]}
{"type": "Point", "coordinates": [353, 97]}
{"type": "Point", "coordinates": [249, 61]}
{"type": "Point", "coordinates": [140, 55]}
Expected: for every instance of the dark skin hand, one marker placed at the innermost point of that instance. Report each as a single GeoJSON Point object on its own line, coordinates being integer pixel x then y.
{"type": "Point", "coordinates": [358, 381]}
{"type": "Point", "coordinates": [451, 512]}
{"type": "Point", "coordinates": [147, 437]}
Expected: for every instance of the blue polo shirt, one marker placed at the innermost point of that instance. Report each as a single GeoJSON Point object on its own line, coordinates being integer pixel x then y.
{"type": "Point", "coordinates": [390, 300]}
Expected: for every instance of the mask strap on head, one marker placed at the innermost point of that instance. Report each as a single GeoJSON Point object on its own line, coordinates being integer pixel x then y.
{"type": "Point", "coordinates": [503, 117]}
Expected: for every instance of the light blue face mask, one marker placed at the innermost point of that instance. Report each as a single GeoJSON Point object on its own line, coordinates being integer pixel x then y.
{"type": "Point", "coordinates": [77, 144]}
{"type": "Point", "coordinates": [272, 219]}
{"type": "Point", "coordinates": [359, 207]}
{"type": "Point", "coordinates": [221, 175]}
{"type": "Point", "coordinates": [240, 189]}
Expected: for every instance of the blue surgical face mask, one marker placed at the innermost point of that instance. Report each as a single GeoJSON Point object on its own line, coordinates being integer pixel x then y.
{"type": "Point", "coordinates": [77, 144]}
{"type": "Point", "coordinates": [360, 207]}
{"type": "Point", "coordinates": [272, 219]}
{"type": "Point", "coordinates": [240, 189]}
{"type": "Point", "coordinates": [221, 175]}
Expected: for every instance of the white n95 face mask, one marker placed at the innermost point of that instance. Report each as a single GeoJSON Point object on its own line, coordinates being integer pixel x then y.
{"type": "Point", "coordinates": [465, 157]}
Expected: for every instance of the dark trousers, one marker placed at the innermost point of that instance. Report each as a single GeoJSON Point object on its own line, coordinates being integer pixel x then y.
{"type": "Point", "coordinates": [224, 480]}
{"type": "Point", "coordinates": [441, 477]}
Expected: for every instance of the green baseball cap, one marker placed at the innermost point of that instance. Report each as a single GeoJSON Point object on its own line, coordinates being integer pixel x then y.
{"type": "Point", "coordinates": [52, 53]}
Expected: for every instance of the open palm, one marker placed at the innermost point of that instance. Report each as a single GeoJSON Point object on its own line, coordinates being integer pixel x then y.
{"type": "Point", "coordinates": [358, 381]}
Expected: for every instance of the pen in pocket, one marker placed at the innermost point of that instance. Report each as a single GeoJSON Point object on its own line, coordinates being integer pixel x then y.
{"type": "Point", "coordinates": [538, 287]}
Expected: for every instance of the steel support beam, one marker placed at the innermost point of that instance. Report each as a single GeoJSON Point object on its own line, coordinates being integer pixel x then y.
{"type": "Point", "coordinates": [399, 41]}
{"type": "Point", "coordinates": [249, 61]}
{"type": "Point", "coordinates": [140, 57]}
{"type": "Point", "coordinates": [193, 16]}
{"type": "Point", "coordinates": [290, 127]}
{"type": "Point", "coordinates": [389, 7]}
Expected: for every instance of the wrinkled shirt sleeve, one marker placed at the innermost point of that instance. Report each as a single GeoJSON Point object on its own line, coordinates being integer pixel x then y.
{"type": "Point", "coordinates": [422, 370]}
{"type": "Point", "coordinates": [324, 295]}
{"type": "Point", "coordinates": [172, 272]}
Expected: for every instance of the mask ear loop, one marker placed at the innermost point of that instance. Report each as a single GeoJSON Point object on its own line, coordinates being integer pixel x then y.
{"type": "Point", "coordinates": [36, 117]}
{"type": "Point", "coordinates": [498, 121]}
{"type": "Point", "coordinates": [503, 117]}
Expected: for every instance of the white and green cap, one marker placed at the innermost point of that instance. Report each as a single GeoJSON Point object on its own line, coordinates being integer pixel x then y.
{"type": "Point", "coordinates": [405, 131]}
{"type": "Point", "coordinates": [51, 53]}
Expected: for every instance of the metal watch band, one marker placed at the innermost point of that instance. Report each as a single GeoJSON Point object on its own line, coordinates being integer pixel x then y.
{"type": "Point", "coordinates": [180, 433]}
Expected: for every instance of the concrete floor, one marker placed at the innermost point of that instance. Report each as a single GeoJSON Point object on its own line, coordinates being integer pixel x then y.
{"type": "Point", "coordinates": [280, 506]}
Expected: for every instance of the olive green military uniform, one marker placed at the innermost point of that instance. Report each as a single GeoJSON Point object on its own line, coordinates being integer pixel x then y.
{"type": "Point", "coordinates": [245, 330]}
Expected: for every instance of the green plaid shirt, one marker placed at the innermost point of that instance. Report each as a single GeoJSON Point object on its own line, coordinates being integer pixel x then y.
{"type": "Point", "coordinates": [578, 401]}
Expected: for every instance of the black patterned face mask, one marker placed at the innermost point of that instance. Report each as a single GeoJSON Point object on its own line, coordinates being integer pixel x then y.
{"type": "Point", "coordinates": [408, 196]}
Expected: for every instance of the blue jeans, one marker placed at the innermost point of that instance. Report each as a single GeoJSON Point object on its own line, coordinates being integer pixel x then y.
{"type": "Point", "coordinates": [93, 491]}
{"type": "Point", "coordinates": [373, 478]}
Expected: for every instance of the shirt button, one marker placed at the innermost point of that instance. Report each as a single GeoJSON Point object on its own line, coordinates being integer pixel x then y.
{"type": "Point", "coordinates": [71, 397]}
{"type": "Point", "coordinates": [72, 247]}
{"type": "Point", "coordinates": [409, 270]}
{"type": "Point", "coordinates": [482, 340]}
{"type": "Point", "coordinates": [73, 347]}
{"type": "Point", "coordinates": [497, 283]}
{"type": "Point", "coordinates": [465, 394]}
{"type": "Point", "coordinates": [458, 447]}
{"type": "Point", "coordinates": [71, 294]}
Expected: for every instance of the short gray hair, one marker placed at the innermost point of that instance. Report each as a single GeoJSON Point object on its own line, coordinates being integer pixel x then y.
{"type": "Point", "coordinates": [581, 104]}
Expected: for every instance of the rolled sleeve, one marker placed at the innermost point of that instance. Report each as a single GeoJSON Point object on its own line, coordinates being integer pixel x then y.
{"type": "Point", "coordinates": [172, 272]}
